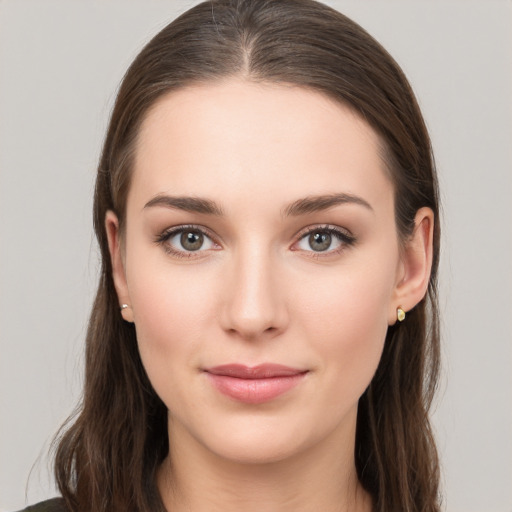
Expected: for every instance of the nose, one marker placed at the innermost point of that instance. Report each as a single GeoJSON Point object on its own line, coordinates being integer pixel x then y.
{"type": "Point", "coordinates": [253, 298]}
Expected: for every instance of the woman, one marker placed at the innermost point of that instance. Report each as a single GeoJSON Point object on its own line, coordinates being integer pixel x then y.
{"type": "Point", "coordinates": [265, 333]}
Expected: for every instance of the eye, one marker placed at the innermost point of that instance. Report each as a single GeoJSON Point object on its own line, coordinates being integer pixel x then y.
{"type": "Point", "coordinates": [189, 240]}
{"type": "Point", "coordinates": [324, 239]}
{"type": "Point", "coordinates": [185, 240]}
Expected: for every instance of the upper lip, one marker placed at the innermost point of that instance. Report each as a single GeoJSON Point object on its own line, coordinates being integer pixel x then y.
{"type": "Point", "coordinates": [261, 371]}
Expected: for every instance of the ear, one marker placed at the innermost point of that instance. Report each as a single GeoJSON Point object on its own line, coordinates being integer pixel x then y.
{"type": "Point", "coordinates": [116, 257]}
{"type": "Point", "coordinates": [416, 265]}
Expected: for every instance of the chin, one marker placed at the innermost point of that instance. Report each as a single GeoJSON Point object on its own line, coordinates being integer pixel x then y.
{"type": "Point", "coordinates": [255, 439]}
{"type": "Point", "coordinates": [257, 450]}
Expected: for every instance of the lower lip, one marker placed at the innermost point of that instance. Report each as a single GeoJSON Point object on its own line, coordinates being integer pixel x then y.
{"type": "Point", "coordinates": [255, 391]}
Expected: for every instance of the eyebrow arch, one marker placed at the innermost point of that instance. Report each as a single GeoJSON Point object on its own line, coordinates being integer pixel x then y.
{"type": "Point", "coordinates": [189, 204]}
{"type": "Point", "coordinates": [312, 204]}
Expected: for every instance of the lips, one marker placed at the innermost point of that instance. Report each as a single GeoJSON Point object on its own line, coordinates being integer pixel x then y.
{"type": "Point", "coordinates": [254, 384]}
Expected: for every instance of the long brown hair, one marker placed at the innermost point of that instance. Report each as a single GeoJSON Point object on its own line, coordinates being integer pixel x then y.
{"type": "Point", "coordinates": [108, 454]}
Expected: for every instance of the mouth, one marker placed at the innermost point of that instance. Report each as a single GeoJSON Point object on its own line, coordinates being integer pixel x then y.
{"type": "Point", "coordinates": [254, 384]}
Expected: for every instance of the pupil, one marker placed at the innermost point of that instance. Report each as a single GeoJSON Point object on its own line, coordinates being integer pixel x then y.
{"type": "Point", "coordinates": [191, 241]}
{"type": "Point", "coordinates": [320, 241]}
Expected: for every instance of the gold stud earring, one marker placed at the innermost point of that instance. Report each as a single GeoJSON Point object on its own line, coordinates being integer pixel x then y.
{"type": "Point", "coordinates": [400, 314]}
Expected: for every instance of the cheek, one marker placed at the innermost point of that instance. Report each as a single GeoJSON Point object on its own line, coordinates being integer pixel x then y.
{"type": "Point", "coordinates": [348, 301]}
{"type": "Point", "coordinates": [173, 312]}
{"type": "Point", "coordinates": [347, 320]}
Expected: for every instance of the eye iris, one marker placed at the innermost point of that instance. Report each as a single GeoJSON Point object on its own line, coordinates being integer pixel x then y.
{"type": "Point", "coordinates": [191, 240]}
{"type": "Point", "coordinates": [320, 241]}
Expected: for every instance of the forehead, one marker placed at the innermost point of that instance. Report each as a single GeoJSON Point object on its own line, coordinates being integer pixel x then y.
{"type": "Point", "coordinates": [238, 135]}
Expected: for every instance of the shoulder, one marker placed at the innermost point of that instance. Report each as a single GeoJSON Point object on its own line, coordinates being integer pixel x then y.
{"type": "Point", "coordinates": [53, 505]}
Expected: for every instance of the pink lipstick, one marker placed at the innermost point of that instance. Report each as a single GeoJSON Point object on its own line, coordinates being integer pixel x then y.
{"type": "Point", "coordinates": [256, 384]}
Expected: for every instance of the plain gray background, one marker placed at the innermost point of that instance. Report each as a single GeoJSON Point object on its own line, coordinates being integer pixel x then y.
{"type": "Point", "coordinates": [60, 64]}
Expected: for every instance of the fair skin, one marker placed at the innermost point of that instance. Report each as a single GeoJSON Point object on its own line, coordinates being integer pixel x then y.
{"type": "Point", "coordinates": [263, 277]}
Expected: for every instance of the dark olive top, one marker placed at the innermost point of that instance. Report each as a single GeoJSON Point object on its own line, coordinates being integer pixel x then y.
{"type": "Point", "coordinates": [53, 505]}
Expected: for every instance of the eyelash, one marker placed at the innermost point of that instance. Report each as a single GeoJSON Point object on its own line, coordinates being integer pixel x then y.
{"type": "Point", "coordinates": [168, 234]}
{"type": "Point", "coordinates": [346, 240]}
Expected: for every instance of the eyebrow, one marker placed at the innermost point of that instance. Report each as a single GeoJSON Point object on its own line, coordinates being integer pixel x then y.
{"type": "Point", "coordinates": [189, 204]}
{"type": "Point", "coordinates": [302, 206]}
{"type": "Point", "coordinates": [313, 204]}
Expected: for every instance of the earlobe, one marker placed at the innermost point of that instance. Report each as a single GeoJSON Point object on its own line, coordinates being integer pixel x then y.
{"type": "Point", "coordinates": [416, 265]}
{"type": "Point", "coordinates": [118, 271]}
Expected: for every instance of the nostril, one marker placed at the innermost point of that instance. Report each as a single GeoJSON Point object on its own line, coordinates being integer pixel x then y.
{"type": "Point", "coordinates": [252, 332]}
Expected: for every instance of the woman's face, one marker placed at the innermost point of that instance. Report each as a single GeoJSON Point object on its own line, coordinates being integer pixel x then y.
{"type": "Point", "coordinates": [260, 231]}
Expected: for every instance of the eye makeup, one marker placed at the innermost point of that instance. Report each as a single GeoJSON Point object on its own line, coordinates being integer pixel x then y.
{"type": "Point", "coordinates": [325, 240]}
{"type": "Point", "coordinates": [193, 241]}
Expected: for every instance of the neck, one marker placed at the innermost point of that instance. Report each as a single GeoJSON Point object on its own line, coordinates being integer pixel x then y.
{"type": "Point", "coordinates": [193, 479]}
